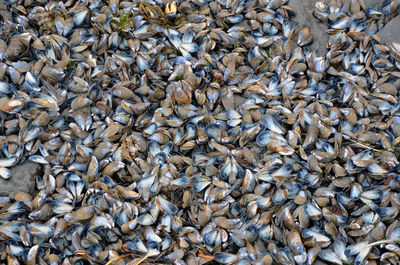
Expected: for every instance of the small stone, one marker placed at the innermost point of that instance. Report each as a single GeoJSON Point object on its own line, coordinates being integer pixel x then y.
{"type": "Point", "coordinates": [304, 16]}
{"type": "Point", "coordinates": [22, 179]}
{"type": "Point", "coordinates": [390, 32]}
{"type": "Point", "coordinates": [376, 4]}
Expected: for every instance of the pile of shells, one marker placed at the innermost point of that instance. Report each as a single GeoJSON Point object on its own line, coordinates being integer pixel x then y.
{"type": "Point", "coordinates": [199, 132]}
